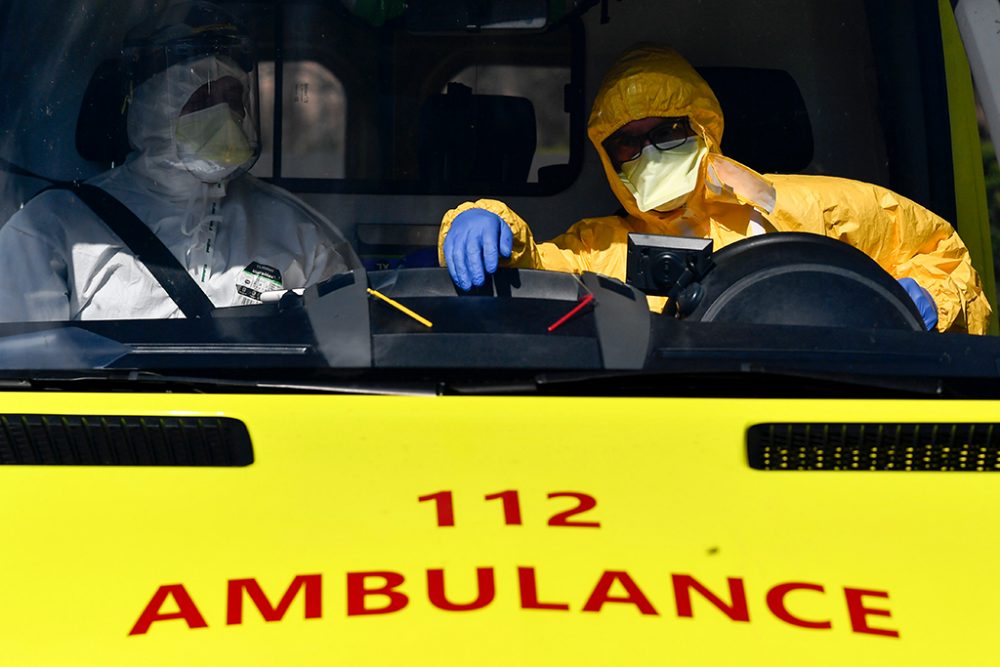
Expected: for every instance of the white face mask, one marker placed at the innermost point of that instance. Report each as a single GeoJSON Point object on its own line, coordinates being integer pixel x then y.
{"type": "Point", "coordinates": [211, 143]}
{"type": "Point", "coordinates": [663, 180]}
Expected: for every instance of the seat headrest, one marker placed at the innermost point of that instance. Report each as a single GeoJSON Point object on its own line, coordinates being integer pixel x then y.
{"type": "Point", "coordinates": [767, 125]}
{"type": "Point", "coordinates": [467, 138]}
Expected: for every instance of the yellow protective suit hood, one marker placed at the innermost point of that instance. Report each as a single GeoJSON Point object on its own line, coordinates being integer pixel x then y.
{"type": "Point", "coordinates": [651, 81]}
{"type": "Point", "coordinates": [648, 81]}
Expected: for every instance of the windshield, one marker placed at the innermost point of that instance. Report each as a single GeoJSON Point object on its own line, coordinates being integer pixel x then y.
{"type": "Point", "coordinates": [288, 191]}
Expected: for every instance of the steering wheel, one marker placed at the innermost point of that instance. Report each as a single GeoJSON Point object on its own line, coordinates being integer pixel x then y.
{"type": "Point", "coordinates": [804, 279]}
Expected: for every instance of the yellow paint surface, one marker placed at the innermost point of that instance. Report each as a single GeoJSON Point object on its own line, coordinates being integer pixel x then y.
{"type": "Point", "coordinates": [334, 490]}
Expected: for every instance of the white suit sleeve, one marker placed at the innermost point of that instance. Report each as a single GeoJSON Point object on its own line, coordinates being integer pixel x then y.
{"type": "Point", "coordinates": [326, 262]}
{"type": "Point", "coordinates": [34, 269]}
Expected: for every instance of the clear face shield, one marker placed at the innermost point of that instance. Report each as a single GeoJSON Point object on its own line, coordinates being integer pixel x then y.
{"type": "Point", "coordinates": [205, 80]}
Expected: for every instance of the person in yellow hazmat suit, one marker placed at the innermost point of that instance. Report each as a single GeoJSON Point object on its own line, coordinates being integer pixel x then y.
{"type": "Point", "coordinates": [657, 127]}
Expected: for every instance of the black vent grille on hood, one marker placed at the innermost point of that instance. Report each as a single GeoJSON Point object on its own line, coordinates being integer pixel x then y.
{"type": "Point", "coordinates": [114, 440]}
{"type": "Point", "coordinates": [875, 447]}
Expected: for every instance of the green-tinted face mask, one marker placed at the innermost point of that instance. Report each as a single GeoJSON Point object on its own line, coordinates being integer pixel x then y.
{"type": "Point", "coordinates": [211, 143]}
{"type": "Point", "coordinates": [664, 179]}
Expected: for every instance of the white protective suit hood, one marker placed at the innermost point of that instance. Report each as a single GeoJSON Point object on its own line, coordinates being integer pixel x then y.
{"type": "Point", "coordinates": [152, 121]}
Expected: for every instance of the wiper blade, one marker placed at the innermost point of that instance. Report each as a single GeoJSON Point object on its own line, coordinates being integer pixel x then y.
{"type": "Point", "coordinates": [681, 380]}
{"type": "Point", "coordinates": [752, 374]}
{"type": "Point", "coordinates": [151, 381]}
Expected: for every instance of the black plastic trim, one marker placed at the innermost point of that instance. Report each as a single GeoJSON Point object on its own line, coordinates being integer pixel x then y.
{"type": "Point", "coordinates": [875, 447]}
{"type": "Point", "coordinates": [117, 440]}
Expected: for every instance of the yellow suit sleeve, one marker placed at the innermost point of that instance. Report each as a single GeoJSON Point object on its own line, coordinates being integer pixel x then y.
{"type": "Point", "coordinates": [594, 244]}
{"type": "Point", "coordinates": [906, 240]}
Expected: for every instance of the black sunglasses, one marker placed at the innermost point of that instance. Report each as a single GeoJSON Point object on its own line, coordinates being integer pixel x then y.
{"type": "Point", "coordinates": [671, 133]}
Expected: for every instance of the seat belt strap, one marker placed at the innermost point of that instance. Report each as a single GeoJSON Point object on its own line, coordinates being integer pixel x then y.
{"type": "Point", "coordinates": [148, 250]}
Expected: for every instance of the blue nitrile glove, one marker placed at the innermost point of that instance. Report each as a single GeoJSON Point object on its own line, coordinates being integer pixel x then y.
{"type": "Point", "coordinates": [472, 245]}
{"type": "Point", "coordinates": [924, 300]}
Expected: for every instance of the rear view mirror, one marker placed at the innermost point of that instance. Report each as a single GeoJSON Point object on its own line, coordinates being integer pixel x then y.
{"type": "Point", "coordinates": [464, 15]}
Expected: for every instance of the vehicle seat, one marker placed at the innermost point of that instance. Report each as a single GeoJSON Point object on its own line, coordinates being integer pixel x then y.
{"type": "Point", "coordinates": [101, 133]}
{"type": "Point", "coordinates": [484, 139]}
{"type": "Point", "coordinates": [766, 122]}
{"type": "Point", "coordinates": [383, 246]}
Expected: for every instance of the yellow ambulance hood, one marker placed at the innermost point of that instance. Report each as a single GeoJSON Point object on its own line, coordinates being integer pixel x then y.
{"type": "Point", "coordinates": [408, 530]}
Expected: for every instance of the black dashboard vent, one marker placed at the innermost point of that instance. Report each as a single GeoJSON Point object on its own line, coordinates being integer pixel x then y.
{"type": "Point", "coordinates": [113, 440]}
{"type": "Point", "coordinates": [875, 447]}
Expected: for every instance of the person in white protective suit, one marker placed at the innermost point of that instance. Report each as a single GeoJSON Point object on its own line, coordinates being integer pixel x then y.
{"type": "Point", "coordinates": [192, 124]}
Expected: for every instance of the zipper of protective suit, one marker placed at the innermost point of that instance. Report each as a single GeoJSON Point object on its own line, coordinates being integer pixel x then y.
{"type": "Point", "coordinates": [207, 245]}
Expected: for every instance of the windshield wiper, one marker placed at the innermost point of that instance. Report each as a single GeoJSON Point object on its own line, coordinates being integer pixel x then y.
{"type": "Point", "coordinates": [147, 381]}
{"type": "Point", "coordinates": [748, 379]}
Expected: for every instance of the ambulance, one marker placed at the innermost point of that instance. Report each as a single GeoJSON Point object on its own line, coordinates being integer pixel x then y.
{"type": "Point", "coordinates": [380, 468]}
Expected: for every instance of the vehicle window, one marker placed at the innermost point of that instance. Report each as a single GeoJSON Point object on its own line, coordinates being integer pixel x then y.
{"type": "Point", "coordinates": [386, 88]}
{"type": "Point", "coordinates": [296, 168]}
{"type": "Point", "coordinates": [314, 122]}
{"type": "Point", "coordinates": [545, 88]}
